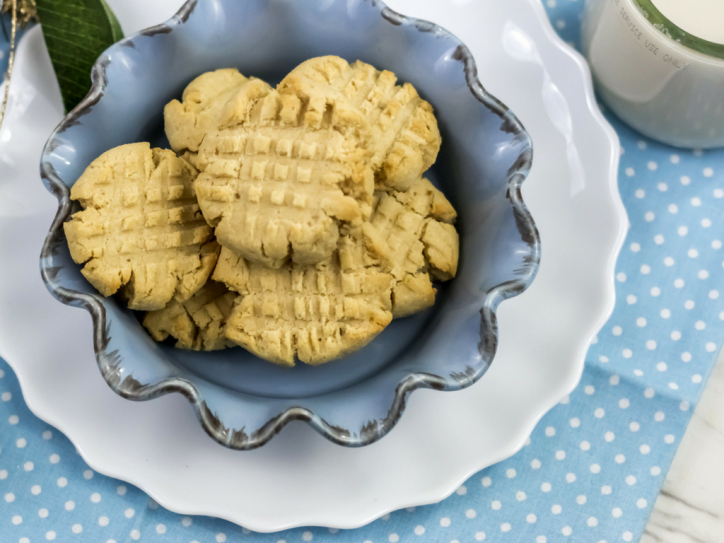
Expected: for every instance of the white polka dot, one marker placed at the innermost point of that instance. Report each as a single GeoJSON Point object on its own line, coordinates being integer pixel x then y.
{"type": "Point", "coordinates": [630, 172]}
{"type": "Point", "coordinates": [644, 449]}
{"type": "Point", "coordinates": [651, 345]}
{"type": "Point", "coordinates": [685, 180]}
{"type": "Point", "coordinates": [592, 522]}
{"type": "Point", "coordinates": [550, 431]}
{"type": "Point", "coordinates": [624, 403]}
{"type": "Point", "coordinates": [17, 519]}
{"type": "Point", "coordinates": [570, 477]}
{"type": "Point", "coordinates": [638, 373]}
{"type": "Point", "coordinates": [560, 455]}
{"type": "Point", "coordinates": [581, 500]}
{"type": "Point", "coordinates": [62, 482]}
{"type": "Point", "coordinates": [20, 443]}
{"type": "Point", "coordinates": [711, 347]}
{"type": "Point", "coordinates": [560, 24]}
{"type": "Point", "coordinates": [631, 299]}
{"type": "Point", "coordinates": [684, 406]}
{"type": "Point", "coordinates": [668, 439]}
{"type": "Point", "coordinates": [674, 159]}
{"type": "Point", "coordinates": [69, 505]}
{"type": "Point", "coordinates": [545, 487]}
{"type": "Point", "coordinates": [43, 513]}
{"type": "Point", "coordinates": [679, 283]}
{"type": "Point", "coordinates": [510, 473]}
{"type": "Point", "coordinates": [54, 458]}
{"type": "Point", "coordinates": [665, 313]}
{"type": "Point", "coordinates": [649, 393]}
{"type": "Point", "coordinates": [668, 261]}
{"type": "Point", "coordinates": [121, 490]}
{"type": "Point", "coordinates": [630, 480]}
{"type": "Point", "coordinates": [640, 193]}
{"type": "Point", "coordinates": [444, 522]}
{"type": "Point", "coordinates": [661, 366]}
{"type": "Point", "coordinates": [77, 528]}
{"type": "Point", "coordinates": [635, 247]}
{"type": "Point", "coordinates": [595, 468]}
{"type": "Point", "coordinates": [695, 201]}
{"type": "Point", "coordinates": [95, 497]}
{"type": "Point", "coordinates": [567, 530]}
{"type": "Point", "coordinates": [87, 474]}
{"type": "Point", "coordinates": [393, 538]}
{"type": "Point", "coordinates": [480, 536]}
{"type": "Point", "coordinates": [617, 330]}
{"type": "Point", "coordinates": [659, 416]}
{"type": "Point", "coordinates": [419, 530]}
{"type": "Point", "coordinates": [693, 253]}
{"type": "Point", "coordinates": [6, 396]}
{"type": "Point", "coordinates": [627, 536]}
{"type": "Point", "coordinates": [621, 277]}
{"type": "Point", "coordinates": [649, 216]}
{"type": "Point", "coordinates": [599, 413]}
{"type": "Point", "coordinates": [716, 244]}
{"type": "Point", "coordinates": [585, 446]}
{"type": "Point", "coordinates": [673, 209]}
{"type": "Point", "coordinates": [531, 518]}
{"type": "Point", "coordinates": [603, 359]}
{"type": "Point", "coordinates": [470, 513]}
{"type": "Point", "coordinates": [663, 187]}
{"type": "Point", "coordinates": [609, 436]}
{"type": "Point", "coordinates": [652, 165]}
{"type": "Point", "coordinates": [646, 269]}
{"type": "Point", "coordinates": [703, 274]}
{"type": "Point", "coordinates": [505, 527]}
{"type": "Point", "coordinates": [495, 505]}
{"type": "Point", "coordinates": [655, 291]}
{"type": "Point", "coordinates": [696, 378]}
{"type": "Point", "coordinates": [541, 539]}
{"type": "Point", "coordinates": [35, 490]}
{"type": "Point", "coordinates": [50, 536]}
{"type": "Point", "coordinates": [605, 490]}
{"type": "Point", "coordinates": [655, 471]}
{"type": "Point", "coordinates": [186, 522]}
{"type": "Point", "coordinates": [47, 435]}
{"type": "Point", "coordinates": [713, 294]}
{"type": "Point", "coordinates": [129, 512]}
{"type": "Point", "coordinates": [589, 390]}
{"type": "Point", "coordinates": [641, 503]}
{"type": "Point", "coordinates": [686, 357]}
{"type": "Point", "coordinates": [520, 496]}
{"type": "Point", "coordinates": [689, 304]}
{"type": "Point", "coordinates": [306, 536]}
{"type": "Point", "coordinates": [535, 464]}
{"type": "Point", "coordinates": [708, 172]}
{"type": "Point", "coordinates": [627, 353]}
{"type": "Point", "coordinates": [462, 490]}
{"type": "Point", "coordinates": [28, 466]}
{"type": "Point", "coordinates": [103, 521]}
{"type": "Point", "coordinates": [486, 481]}
{"type": "Point", "coordinates": [620, 459]}
{"type": "Point", "coordinates": [135, 535]}
{"type": "Point", "coordinates": [676, 335]}
{"type": "Point", "coordinates": [641, 144]}
{"type": "Point", "coordinates": [658, 239]}
{"type": "Point", "coordinates": [616, 512]}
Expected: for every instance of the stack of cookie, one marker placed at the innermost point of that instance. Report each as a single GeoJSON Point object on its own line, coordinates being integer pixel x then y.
{"type": "Point", "coordinates": [294, 222]}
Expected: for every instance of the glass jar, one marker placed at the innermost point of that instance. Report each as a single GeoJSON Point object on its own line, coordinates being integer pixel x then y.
{"type": "Point", "coordinates": [662, 80]}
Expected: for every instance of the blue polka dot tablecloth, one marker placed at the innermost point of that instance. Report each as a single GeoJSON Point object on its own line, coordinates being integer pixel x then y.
{"type": "Point", "coordinates": [592, 468]}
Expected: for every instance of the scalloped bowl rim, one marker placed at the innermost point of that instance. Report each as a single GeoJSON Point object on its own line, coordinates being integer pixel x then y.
{"type": "Point", "coordinates": [93, 303]}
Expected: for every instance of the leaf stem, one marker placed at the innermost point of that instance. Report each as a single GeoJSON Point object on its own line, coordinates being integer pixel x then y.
{"type": "Point", "coordinates": [11, 59]}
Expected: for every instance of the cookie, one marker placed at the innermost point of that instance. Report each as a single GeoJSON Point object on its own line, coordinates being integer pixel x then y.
{"type": "Point", "coordinates": [406, 138]}
{"type": "Point", "coordinates": [188, 121]}
{"type": "Point", "coordinates": [315, 313]}
{"type": "Point", "coordinates": [199, 323]}
{"type": "Point", "coordinates": [282, 173]}
{"type": "Point", "coordinates": [141, 230]}
{"type": "Point", "coordinates": [410, 236]}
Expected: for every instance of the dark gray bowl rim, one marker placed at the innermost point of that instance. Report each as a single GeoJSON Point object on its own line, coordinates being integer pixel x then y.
{"type": "Point", "coordinates": [129, 388]}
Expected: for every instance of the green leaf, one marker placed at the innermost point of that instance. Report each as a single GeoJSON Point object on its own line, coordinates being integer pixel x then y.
{"type": "Point", "coordinates": [76, 33]}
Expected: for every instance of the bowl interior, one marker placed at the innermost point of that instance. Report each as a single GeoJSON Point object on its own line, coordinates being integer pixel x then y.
{"type": "Point", "coordinates": [267, 39]}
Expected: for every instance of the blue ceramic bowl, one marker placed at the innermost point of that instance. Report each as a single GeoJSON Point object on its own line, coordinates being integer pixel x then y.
{"type": "Point", "coordinates": [242, 401]}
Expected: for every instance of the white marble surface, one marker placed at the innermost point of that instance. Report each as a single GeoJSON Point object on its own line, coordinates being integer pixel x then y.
{"type": "Point", "coordinates": [690, 508]}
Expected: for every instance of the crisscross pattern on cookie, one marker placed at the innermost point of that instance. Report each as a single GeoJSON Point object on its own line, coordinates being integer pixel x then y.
{"type": "Point", "coordinates": [406, 138]}
{"type": "Point", "coordinates": [281, 174]}
{"type": "Point", "coordinates": [316, 313]}
{"type": "Point", "coordinates": [198, 323]}
{"type": "Point", "coordinates": [141, 228]}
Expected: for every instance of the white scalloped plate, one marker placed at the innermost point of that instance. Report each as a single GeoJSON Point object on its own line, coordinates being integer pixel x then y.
{"type": "Point", "coordinates": [159, 445]}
